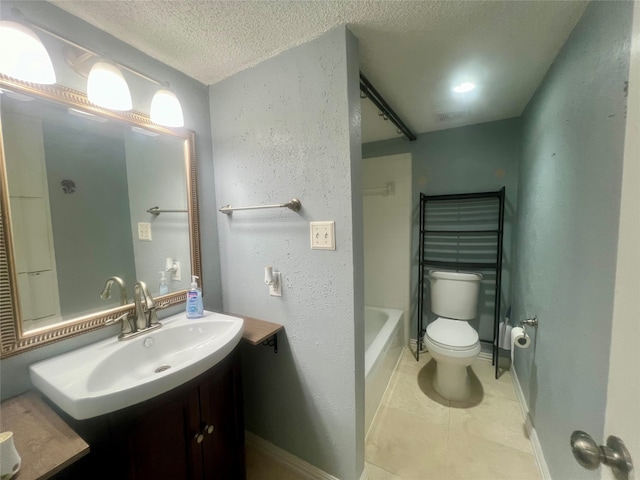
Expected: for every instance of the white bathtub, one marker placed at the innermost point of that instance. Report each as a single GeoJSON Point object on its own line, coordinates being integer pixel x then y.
{"type": "Point", "coordinates": [383, 347]}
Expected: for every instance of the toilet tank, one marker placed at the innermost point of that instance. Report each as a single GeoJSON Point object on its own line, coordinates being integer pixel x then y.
{"type": "Point", "coordinates": [454, 294]}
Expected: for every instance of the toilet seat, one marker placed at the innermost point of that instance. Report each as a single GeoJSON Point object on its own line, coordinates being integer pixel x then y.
{"type": "Point", "coordinates": [455, 335]}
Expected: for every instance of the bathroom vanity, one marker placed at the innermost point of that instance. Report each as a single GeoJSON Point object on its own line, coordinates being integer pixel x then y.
{"type": "Point", "coordinates": [195, 431]}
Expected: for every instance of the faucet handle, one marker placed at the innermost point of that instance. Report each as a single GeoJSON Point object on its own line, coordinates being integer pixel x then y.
{"type": "Point", "coordinates": [126, 324]}
{"type": "Point", "coordinates": [153, 317]}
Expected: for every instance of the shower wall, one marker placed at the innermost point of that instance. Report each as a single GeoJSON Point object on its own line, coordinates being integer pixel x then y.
{"type": "Point", "coordinates": [387, 234]}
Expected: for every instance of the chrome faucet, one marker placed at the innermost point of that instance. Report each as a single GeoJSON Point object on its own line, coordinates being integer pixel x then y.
{"type": "Point", "coordinates": [146, 317]}
{"type": "Point", "coordinates": [128, 327]}
{"type": "Point", "coordinates": [106, 291]}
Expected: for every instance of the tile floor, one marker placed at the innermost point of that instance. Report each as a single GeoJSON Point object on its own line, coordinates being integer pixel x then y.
{"type": "Point", "coordinates": [418, 435]}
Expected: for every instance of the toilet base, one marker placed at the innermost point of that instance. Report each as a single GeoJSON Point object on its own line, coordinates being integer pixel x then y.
{"type": "Point", "coordinates": [452, 381]}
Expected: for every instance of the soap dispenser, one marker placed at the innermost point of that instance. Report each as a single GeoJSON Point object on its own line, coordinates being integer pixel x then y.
{"type": "Point", "coordinates": [163, 288]}
{"type": "Point", "coordinates": [194, 300]}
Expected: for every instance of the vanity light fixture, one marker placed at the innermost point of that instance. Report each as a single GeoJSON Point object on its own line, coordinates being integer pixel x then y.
{"type": "Point", "coordinates": [22, 51]}
{"type": "Point", "coordinates": [107, 87]}
{"type": "Point", "coordinates": [166, 109]}
{"type": "Point", "coordinates": [464, 87]}
{"type": "Point", "coordinates": [23, 56]}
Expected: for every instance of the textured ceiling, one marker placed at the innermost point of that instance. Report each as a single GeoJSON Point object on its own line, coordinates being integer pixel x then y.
{"type": "Point", "coordinates": [412, 51]}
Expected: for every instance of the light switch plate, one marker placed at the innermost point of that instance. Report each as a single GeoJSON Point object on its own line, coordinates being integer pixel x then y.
{"type": "Point", "coordinates": [144, 231]}
{"type": "Point", "coordinates": [323, 235]}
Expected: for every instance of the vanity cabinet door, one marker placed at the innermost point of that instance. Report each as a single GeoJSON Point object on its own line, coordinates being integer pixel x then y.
{"type": "Point", "coordinates": [162, 443]}
{"type": "Point", "coordinates": [193, 432]}
{"type": "Point", "coordinates": [222, 423]}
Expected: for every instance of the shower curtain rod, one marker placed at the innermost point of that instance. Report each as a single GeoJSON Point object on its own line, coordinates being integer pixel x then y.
{"type": "Point", "coordinates": [369, 91]}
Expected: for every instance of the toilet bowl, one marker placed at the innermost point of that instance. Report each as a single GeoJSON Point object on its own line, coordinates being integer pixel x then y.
{"type": "Point", "coordinates": [452, 342]}
{"type": "Point", "coordinates": [454, 345]}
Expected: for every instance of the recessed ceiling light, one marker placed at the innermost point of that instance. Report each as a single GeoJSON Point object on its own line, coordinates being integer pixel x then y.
{"type": "Point", "coordinates": [464, 87]}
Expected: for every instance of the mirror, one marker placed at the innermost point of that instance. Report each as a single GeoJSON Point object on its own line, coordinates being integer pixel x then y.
{"type": "Point", "coordinates": [77, 186]}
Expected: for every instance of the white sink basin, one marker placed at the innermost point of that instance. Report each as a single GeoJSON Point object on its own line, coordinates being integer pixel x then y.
{"type": "Point", "coordinates": [110, 375]}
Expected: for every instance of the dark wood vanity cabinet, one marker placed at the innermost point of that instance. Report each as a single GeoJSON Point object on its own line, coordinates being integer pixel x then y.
{"type": "Point", "coordinates": [195, 431]}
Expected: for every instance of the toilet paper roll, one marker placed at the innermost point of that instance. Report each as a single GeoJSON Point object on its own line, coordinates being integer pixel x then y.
{"type": "Point", "coordinates": [519, 339]}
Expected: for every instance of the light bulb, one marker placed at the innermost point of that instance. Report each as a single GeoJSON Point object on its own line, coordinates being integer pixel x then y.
{"type": "Point", "coordinates": [23, 56]}
{"type": "Point", "coordinates": [166, 109]}
{"type": "Point", "coordinates": [464, 87]}
{"type": "Point", "coordinates": [107, 87]}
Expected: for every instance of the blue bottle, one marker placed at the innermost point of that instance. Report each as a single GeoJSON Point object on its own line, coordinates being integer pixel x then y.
{"type": "Point", "coordinates": [194, 300]}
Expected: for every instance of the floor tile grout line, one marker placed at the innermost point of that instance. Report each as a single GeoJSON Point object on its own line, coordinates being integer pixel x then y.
{"type": "Point", "coordinates": [382, 468]}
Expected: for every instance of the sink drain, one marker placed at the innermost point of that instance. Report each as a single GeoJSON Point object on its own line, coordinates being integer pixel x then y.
{"type": "Point", "coordinates": [163, 368]}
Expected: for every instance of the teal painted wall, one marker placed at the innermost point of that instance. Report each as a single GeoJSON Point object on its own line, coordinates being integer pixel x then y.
{"type": "Point", "coordinates": [477, 158]}
{"type": "Point", "coordinates": [568, 207]}
{"type": "Point", "coordinates": [290, 128]}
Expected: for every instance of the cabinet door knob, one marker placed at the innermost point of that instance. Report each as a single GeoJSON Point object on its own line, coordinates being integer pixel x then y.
{"type": "Point", "coordinates": [198, 437]}
{"type": "Point", "coordinates": [209, 429]}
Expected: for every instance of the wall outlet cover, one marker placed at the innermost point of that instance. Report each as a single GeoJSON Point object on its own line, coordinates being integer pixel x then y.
{"type": "Point", "coordinates": [323, 235]}
{"type": "Point", "coordinates": [144, 231]}
{"type": "Point", "coordinates": [275, 290]}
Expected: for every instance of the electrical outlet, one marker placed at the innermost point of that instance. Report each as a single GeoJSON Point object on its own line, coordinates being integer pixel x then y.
{"type": "Point", "coordinates": [176, 274]}
{"type": "Point", "coordinates": [144, 231]}
{"type": "Point", "coordinates": [275, 290]}
{"type": "Point", "coordinates": [323, 235]}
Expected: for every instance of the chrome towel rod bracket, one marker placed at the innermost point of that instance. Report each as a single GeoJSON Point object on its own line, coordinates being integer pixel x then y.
{"type": "Point", "coordinates": [293, 204]}
{"type": "Point", "coordinates": [157, 211]}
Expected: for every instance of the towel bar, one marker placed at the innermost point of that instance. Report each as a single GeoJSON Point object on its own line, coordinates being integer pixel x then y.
{"type": "Point", "coordinates": [294, 205]}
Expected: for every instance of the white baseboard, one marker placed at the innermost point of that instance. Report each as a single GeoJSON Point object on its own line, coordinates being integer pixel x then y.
{"type": "Point", "coordinates": [531, 431]}
{"type": "Point", "coordinates": [288, 460]}
{"type": "Point", "coordinates": [485, 356]}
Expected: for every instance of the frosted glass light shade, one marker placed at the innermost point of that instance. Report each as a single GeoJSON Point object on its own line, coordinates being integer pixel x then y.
{"type": "Point", "coordinates": [106, 87]}
{"type": "Point", "coordinates": [23, 56]}
{"type": "Point", "coordinates": [166, 109]}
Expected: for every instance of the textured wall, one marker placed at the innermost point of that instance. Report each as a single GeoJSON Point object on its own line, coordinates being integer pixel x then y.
{"type": "Point", "coordinates": [290, 127]}
{"type": "Point", "coordinates": [194, 98]}
{"type": "Point", "coordinates": [459, 160]}
{"type": "Point", "coordinates": [568, 209]}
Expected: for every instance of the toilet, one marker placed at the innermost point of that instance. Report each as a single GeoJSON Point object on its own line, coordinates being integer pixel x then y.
{"type": "Point", "coordinates": [451, 341]}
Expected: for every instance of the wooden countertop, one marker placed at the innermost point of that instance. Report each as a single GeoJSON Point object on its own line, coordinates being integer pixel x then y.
{"type": "Point", "coordinates": [257, 331]}
{"type": "Point", "coordinates": [44, 441]}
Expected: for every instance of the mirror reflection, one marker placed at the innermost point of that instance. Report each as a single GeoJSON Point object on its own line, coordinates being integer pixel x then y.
{"type": "Point", "coordinates": [79, 188]}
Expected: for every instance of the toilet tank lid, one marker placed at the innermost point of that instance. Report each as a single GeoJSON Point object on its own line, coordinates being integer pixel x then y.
{"type": "Point", "coordinates": [455, 333]}
{"type": "Point", "coordinates": [447, 275]}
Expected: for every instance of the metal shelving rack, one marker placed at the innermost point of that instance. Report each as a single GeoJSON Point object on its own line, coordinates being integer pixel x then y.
{"type": "Point", "coordinates": [455, 223]}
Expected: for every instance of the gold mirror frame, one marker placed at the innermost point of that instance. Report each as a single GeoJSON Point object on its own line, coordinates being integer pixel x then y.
{"type": "Point", "coordinates": [13, 340]}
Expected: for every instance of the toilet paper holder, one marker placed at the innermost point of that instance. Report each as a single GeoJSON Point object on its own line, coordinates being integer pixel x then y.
{"type": "Point", "coordinates": [529, 322]}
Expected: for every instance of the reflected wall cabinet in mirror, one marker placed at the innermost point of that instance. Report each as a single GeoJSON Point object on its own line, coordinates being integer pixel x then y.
{"type": "Point", "coordinates": [77, 182]}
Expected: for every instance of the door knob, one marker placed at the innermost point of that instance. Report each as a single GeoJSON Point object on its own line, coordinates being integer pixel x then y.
{"type": "Point", "coordinates": [590, 455]}
{"type": "Point", "coordinates": [209, 429]}
{"type": "Point", "coordinates": [198, 437]}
